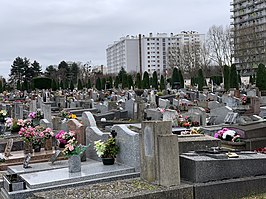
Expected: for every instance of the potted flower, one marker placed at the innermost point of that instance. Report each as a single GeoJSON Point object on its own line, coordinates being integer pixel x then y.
{"type": "Point", "coordinates": [38, 139]}
{"type": "Point", "coordinates": [35, 118]}
{"type": "Point", "coordinates": [47, 135]}
{"type": "Point", "coordinates": [107, 150]}
{"type": "Point", "coordinates": [27, 134]}
{"type": "Point", "coordinates": [73, 150]}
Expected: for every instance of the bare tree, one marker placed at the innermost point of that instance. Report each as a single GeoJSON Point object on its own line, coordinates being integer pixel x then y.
{"type": "Point", "coordinates": [220, 44]}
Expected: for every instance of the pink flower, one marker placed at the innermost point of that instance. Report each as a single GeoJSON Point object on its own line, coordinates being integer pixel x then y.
{"type": "Point", "coordinates": [71, 148]}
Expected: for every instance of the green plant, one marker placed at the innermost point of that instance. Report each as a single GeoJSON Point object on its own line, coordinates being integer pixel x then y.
{"type": "Point", "coordinates": [107, 149]}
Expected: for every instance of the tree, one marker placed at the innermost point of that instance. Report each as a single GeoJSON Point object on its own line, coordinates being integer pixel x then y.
{"type": "Point", "coordinates": [110, 79]}
{"type": "Point", "coordinates": [98, 84]}
{"type": "Point", "coordinates": [124, 81]}
{"type": "Point", "coordinates": [18, 85]}
{"type": "Point", "coordinates": [1, 86]}
{"type": "Point", "coordinates": [155, 80]}
{"type": "Point", "coordinates": [182, 84]}
{"type": "Point", "coordinates": [42, 82]}
{"type": "Point", "coordinates": [138, 81]}
{"type": "Point", "coordinates": [71, 86]}
{"type": "Point", "coordinates": [162, 83]}
{"type": "Point", "coordinates": [103, 83]}
{"type": "Point", "coordinates": [89, 83]}
{"type": "Point", "coordinates": [51, 72]}
{"type": "Point", "coordinates": [261, 80]}
{"type": "Point", "coordinates": [201, 80]}
{"type": "Point", "coordinates": [54, 87]}
{"type": "Point", "coordinates": [20, 70]}
{"type": "Point", "coordinates": [233, 77]}
{"type": "Point", "coordinates": [121, 73]}
{"type": "Point", "coordinates": [146, 80]}
{"type": "Point", "coordinates": [130, 81]}
{"type": "Point", "coordinates": [36, 69]}
{"type": "Point", "coordinates": [220, 45]}
{"type": "Point", "coordinates": [80, 86]}
{"type": "Point", "coordinates": [251, 81]}
{"type": "Point", "coordinates": [116, 81]}
{"type": "Point", "coordinates": [226, 77]}
{"type": "Point", "coordinates": [62, 85]}
{"type": "Point", "coordinates": [175, 77]}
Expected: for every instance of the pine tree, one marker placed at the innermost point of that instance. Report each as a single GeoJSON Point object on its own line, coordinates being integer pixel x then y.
{"type": "Point", "coordinates": [201, 80]}
{"type": "Point", "coordinates": [175, 77]}
{"type": "Point", "coordinates": [138, 81]}
{"type": "Point", "coordinates": [233, 77]}
{"type": "Point", "coordinates": [71, 86]}
{"type": "Point", "coordinates": [18, 85]}
{"type": "Point", "coordinates": [155, 80]}
{"type": "Point", "coordinates": [98, 84]}
{"type": "Point", "coordinates": [261, 80]}
{"type": "Point", "coordinates": [226, 77]}
{"type": "Point", "coordinates": [89, 84]}
{"type": "Point", "coordinates": [146, 80]}
{"type": "Point", "coordinates": [116, 81]}
{"type": "Point", "coordinates": [103, 82]}
{"type": "Point", "coordinates": [110, 79]}
{"type": "Point", "coordinates": [54, 87]}
{"type": "Point", "coordinates": [181, 78]}
{"type": "Point", "coordinates": [130, 81]}
{"type": "Point", "coordinates": [80, 86]}
{"type": "Point", "coordinates": [162, 83]}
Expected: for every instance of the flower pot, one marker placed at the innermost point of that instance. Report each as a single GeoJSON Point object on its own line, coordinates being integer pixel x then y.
{"type": "Point", "coordinates": [27, 147]}
{"type": "Point", "coordinates": [48, 144]}
{"type": "Point", "coordinates": [74, 164]}
{"type": "Point", "coordinates": [37, 148]}
{"type": "Point", "coordinates": [108, 161]}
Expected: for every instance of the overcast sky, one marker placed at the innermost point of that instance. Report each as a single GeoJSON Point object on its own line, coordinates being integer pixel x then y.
{"type": "Point", "coordinates": [50, 31]}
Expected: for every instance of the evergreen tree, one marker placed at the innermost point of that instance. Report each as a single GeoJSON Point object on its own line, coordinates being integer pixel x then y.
{"type": "Point", "coordinates": [71, 86]}
{"type": "Point", "coordinates": [98, 84]}
{"type": "Point", "coordinates": [155, 80]}
{"type": "Point", "coordinates": [103, 83]}
{"type": "Point", "coordinates": [36, 69]}
{"type": "Point", "coordinates": [121, 73]}
{"type": "Point", "coordinates": [201, 80]}
{"type": "Point", "coordinates": [116, 82]}
{"type": "Point", "coordinates": [54, 87]}
{"type": "Point", "coordinates": [25, 86]}
{"type": "Point", "coordinates": [124, 81]}
{"type": "Point", "coordinates": [175, 77]}
{"type": "Point", "coordinates": [233, 77]}
{"type": "Point", "coordinates": [261, 80]}
{"type": "Point", "coordinates": [181, 78]}
{"type": "Point", "coordinates": [61, 85]}
{"type": "Point", "coordinates": [138, 81]}
{"type": "Point", "coordinates": [162, 83]}
{"type": "Point", "coordinates": [89, 83]}
{"type": "Point", "coordinates": [110, 79]}
{"type": "Point", "coordinates": [1, 86]}
{"type": "Point", "coordinates": [146, 80]}
{"type": "Point", "coordinates": [18, 85]}
{"type": "Point", "coordinates": [226, 77]}
{"type": "Point", "coordinates": [130, 81]}
{"type": "Point", "coordinates": [66, 84]}
{"type": "Point", "coordinates": [80, 86]}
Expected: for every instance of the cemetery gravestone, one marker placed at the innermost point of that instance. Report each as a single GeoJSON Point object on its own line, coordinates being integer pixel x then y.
{"type": "Point", "coordinates": [26, 161]}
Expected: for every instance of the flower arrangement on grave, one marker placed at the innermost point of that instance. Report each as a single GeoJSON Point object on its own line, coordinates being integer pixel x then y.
{"type": "Point", "coordinates": [65, 115]}
{"type": "Point", "coordinates": [261, 150]}
{"type": "Point", "coordinates": [13, 124]}
{"type": "Point", "coordinates": [48, 133]}
{"type": "Point", "coordinates": [27, 133]}
{"type": "Point", "coordinates": [228, 135]}
{"type": "Point", "coordinates": [63, 137]}
{"type": "Point", "coordinates": [196, 130]}
{"type": "Point", "coordinates": [244, 99]}
{"type": "Point", "coordinates": [35, 117]}
{"type": "Point", "coordinates": [107, 149]}
{"type": "Point", "coordinates": [73, 148]}
{"type": "Point", "coordinates": [38, 138]}
{"type": "Point", "coordinates": [3, 114]}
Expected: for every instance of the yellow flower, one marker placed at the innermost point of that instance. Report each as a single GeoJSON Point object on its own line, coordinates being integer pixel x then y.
{"type": "Point", "coordinates": [72, 116]}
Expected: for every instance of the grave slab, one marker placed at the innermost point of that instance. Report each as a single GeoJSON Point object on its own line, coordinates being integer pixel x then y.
{"type": "Point", "coordinates": [62, 176]}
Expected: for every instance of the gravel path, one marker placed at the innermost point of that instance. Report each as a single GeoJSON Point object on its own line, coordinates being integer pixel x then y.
{"type": "Point", "coordinates": [116, 189]}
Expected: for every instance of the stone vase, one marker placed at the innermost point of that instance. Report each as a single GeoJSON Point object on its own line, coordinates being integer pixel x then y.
{"type": "Point", "coordinates": [74, 164]}
{"type": "Point", "coordinates": [48, 144]}
{"type": "Point", "coordinates": [27, 147]}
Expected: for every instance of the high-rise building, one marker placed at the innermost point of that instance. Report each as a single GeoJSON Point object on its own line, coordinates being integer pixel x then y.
{"type": "Point", "coordinates": [249, 33]}
{"type": "Point", "coordinates": [151, 53]}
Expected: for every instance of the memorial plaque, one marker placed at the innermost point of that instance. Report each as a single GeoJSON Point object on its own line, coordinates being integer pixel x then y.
{"type": "Point", "coordinates": [55, 156]}
{"type": "Point", "coordinates": [26, 161]}
{"type": "Point", "coordinates": [8, 148]}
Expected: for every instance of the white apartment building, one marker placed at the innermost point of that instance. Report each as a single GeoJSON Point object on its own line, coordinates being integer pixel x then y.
{"type": "Point", "coordinates": [249, 33]}
{"type": "Point", "coordinates": [151, 53]}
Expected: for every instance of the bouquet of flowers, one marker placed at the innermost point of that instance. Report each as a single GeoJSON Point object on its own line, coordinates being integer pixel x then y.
{"type": "Point", "coordinates": [38, 138]}
{"type": "Point", "coordinates": [3, 114]}
{"type": "Point", "coordinates": [27, 133]}
{"type": "Point", "coordinates": [47, 133]}
{"type": "Point", "coordinates": [63, 137]}
{"type": "Point", "coordinates": [14, 125]}
{"type": "Point", "coordinates": [73, 148]}
{"type": "Point", "coordinates": [35, 115]}
{"type": "Point", "coordinates": [67, 115]}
